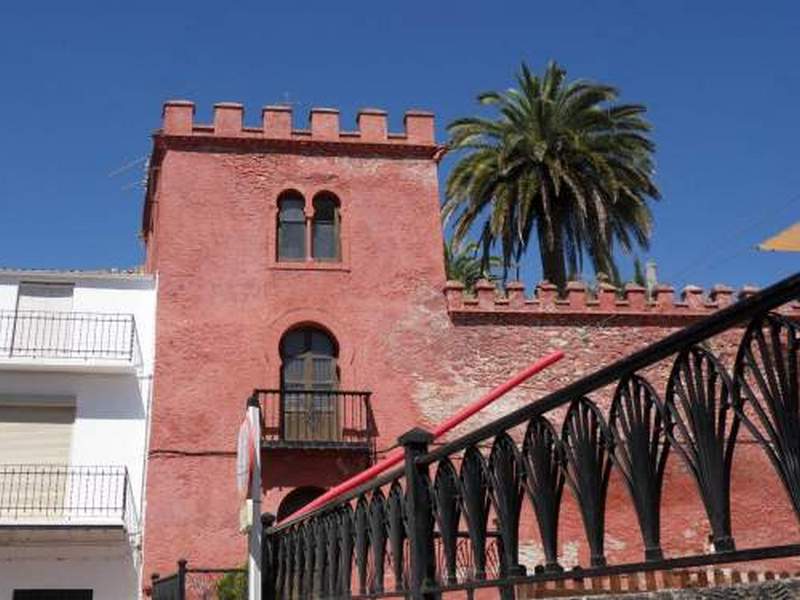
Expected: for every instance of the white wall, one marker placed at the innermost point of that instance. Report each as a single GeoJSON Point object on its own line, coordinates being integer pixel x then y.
{"type": "Point", "coordinates": [108, 570]}
{"type": "Point", "coordinates": [111, 410]}
{"type": "Point", "coordinates": [134, 295]}
{"type": "Point", "coordinates": [8, 293]}
{"type": "Point", "coordinates": [110, 415]}
{"type": "Point", "coordinates": [111, 428]}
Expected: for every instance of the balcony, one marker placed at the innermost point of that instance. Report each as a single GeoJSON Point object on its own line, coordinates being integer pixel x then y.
{"type": "Point", "coordinates": [47, 502]}
{"type": "Point", "coordinates": [68, 341]}
{"type": "Point", "coordinates": [318, 419]}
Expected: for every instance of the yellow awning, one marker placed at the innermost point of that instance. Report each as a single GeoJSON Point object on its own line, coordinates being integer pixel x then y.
{"type": "Point", "coordinates": [787, 240]}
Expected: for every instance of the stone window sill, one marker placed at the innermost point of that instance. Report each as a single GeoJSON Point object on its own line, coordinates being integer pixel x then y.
{"type": "Point", "coordinates": [309, 266]}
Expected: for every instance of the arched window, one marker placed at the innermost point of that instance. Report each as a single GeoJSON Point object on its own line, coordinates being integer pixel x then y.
{"type": "Point", "coordinates": [325, 244]}
{"type": "Point", "coordinates": [309, 379]}
{"type": "Point", "coordinates": [291, 227]}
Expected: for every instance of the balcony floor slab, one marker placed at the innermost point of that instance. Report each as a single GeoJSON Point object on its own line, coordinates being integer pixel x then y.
{"type": "Point", "coordinates": [66, 365]}
{"type": "Point", "coordinates": [30, 533]}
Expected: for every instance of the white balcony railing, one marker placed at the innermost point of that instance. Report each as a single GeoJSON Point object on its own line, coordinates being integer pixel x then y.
{"type": "Point", "coordinates": [67, 495]}
{"type": "Point", "coordinates": [69, 336]}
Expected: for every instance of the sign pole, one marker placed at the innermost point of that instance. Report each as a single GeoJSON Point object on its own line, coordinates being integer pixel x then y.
{"type": "Point", "coordinates": [254, 537]}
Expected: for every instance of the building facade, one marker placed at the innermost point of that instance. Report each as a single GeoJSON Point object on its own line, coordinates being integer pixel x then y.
{"type": "Point", "coordinates": [76, 364]}
{"type": "Point", "coordinates": [307, 264]}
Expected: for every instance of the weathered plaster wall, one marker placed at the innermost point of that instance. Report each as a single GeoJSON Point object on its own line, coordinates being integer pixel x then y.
{"type": "Point", "coordinates": [224, 304]}
{"type": "Point", "coordinates": [468, 354]}
{"type": "Point", "coordinates": [421, 348]}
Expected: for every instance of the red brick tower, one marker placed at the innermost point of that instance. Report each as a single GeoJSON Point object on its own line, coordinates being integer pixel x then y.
{"type": "Point", "coordinates": [310, 263]}
{"type": "Point", "coordinates": [286, 258]}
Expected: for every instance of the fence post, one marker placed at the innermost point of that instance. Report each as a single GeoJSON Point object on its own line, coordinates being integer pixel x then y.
{"type": "Point", "coordinates": [255, 541]}
{"type": "Point", "coordinates": [182, 579]}
{"type": "Point", "coordinates": [132, 346]}
{"type": "Point", "coordinates": [154, 577]}
{"type": "Point", "coordinates": [420, 515]}
{"type": "Point", "coordinates": [268, 558]}
{"type": "Point", "coordinates": [125, 495]}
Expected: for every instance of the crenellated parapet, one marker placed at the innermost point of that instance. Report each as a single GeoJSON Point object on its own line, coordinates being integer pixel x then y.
{"type": "Point", "coordinates": [604, 299]}
{"type": "Point", "coordinates": [277, 125]}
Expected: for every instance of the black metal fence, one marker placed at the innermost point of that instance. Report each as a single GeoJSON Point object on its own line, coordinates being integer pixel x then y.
{"type": "Point", "coordinates": [200, 584]}
{"type": "Point", "coordinates": [69, 335]}
{"type": "Point", "coordinates": [450, 518]}
{"type": "Point", "coordinates": [322, 418]}
{"type": "Point", "coordinates": [67, 495]}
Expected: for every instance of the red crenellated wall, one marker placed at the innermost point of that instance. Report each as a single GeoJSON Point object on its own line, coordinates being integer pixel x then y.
{"type": "Point", "coordinates": [421, 346]}
{"type": "Point", "coordinates": [224, 301]}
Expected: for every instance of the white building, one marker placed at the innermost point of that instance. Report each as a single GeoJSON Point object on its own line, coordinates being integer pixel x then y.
{"type": "Point", "coordinates": [76, 366]}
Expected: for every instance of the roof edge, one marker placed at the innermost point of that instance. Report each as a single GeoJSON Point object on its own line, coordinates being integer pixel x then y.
{"type": "Point", "coordinates": [77, 274]}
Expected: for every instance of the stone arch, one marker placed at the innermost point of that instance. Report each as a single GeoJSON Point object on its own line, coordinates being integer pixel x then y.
{"type": "Point", "coordinates": [309, 317]}
{"type": "Point", "coordinates": [297, 499]}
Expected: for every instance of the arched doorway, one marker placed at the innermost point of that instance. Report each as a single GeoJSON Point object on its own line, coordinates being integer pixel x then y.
{"type": "Point", "coordinates": [309, 380]}
{"type": "Point", "coordinates": [297, 499]}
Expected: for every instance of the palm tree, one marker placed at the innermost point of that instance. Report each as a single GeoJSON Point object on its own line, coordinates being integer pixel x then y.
{"type": "Point", "coordinates": [463, 263]}
{"type": "Point", "coordinates": [563, 157]}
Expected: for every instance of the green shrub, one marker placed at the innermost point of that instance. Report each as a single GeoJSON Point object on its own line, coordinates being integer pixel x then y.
{"type": "Point", "coordinates": [232, 586]}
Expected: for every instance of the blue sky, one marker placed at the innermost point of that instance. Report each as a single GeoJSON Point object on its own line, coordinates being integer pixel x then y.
{"type": "Point", "coordinates": [82, 86]}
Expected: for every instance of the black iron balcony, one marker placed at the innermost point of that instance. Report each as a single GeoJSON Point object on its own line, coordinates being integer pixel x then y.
{"type": "Point", "coordinates": [67, 495]}
{"type": "Point", "coordinates": [317, 419]}
{"type": "Point", "coordinates": [75, 336]}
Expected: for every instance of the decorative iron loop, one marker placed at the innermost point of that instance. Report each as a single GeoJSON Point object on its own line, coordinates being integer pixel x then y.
{"type": "Point", "coordinates": [586, 441]}
{"type": "Point", "coordinates": [309, 554]}
{"type": "Point", "coordinates": [505, 477]}
{"type": "Point", "coordinates": [447, 511]}
{"type": "Point", "coordinates": [283, 587]}
{"type": "Point", "coordinates": [766, 395]}
{"type": "Point", "coordinates": [297, 582]}
{"type": "Point", "coordinates": [377, 538]}
{"type": "Point", "coordinates": [641, 448]}
{"type": "Point", "coordinates": [397, 534]}
{"type": "Point", "coordinates": [542, 457]}
{"type": "Point", "coordinates": [332, 555]}
{"type": "Point", "coordinates": [704, 433]}
{"type": "Point", "coordinates": [362, 542]}
{"type": "Point", "coordinates": [344, 519]}
{"type": "Point", "coordinates": [475, 504]}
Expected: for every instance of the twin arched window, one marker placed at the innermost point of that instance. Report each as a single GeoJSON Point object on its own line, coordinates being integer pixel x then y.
{"type": "Point", "coordinates": [316, 237]}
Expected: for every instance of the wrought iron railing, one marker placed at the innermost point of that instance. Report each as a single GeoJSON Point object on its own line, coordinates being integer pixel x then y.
{"type": "Point", "coordinates": [67, 495]}
{"type": "Point", "coordinates": [69, 335]}
{"type": "Point", "coordinates": [403, 534]}
{"type": "Point", "coordinates": [319, 418]}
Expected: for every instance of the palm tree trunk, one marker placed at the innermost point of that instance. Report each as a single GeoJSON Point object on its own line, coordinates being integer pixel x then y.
{"type": "Point", "coordinates": [552, 252]}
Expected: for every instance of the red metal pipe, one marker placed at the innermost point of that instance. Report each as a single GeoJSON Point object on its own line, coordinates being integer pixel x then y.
{"type": "Point", "coordinates": [396, 455]}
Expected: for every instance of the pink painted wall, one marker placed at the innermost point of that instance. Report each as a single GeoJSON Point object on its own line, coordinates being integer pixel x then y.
{"type": "Point", "coordinates": [224, 303]}
{"type": "Point", "coordinates": [421, 347]}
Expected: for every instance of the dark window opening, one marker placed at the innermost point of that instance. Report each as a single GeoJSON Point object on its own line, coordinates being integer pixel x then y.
{"type": "Point", "coordinates": [291, 228]}
{"type": "Point", "coordinates": [325, 236]}
{"type": "Point", "coordinates": [309, 378]}
{"type": "Point", "coordinates": [52, 595]}
{"type": "Point", "coordinates": [297, 499]}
